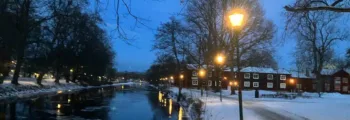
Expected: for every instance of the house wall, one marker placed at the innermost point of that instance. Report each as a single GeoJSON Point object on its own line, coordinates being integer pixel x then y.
{"type": "Point", "coordinates": [343, 83]}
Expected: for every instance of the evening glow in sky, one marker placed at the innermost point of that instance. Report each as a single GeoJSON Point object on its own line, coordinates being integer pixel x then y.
{"type": "Point", "coordinates": [139, 56]}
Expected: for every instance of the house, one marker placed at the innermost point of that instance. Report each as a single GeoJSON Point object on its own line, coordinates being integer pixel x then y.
{"type": "Point", "coordinates": [252, 77]}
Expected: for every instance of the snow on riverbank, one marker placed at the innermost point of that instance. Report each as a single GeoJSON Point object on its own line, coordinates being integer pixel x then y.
{"type": "Point", "coordinates": [28, 88]}
{"type": "Point", "coordinates": [216, 110]}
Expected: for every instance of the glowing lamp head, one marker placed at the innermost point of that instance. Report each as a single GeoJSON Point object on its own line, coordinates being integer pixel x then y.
{"type": "Point", "coordinates": [220, 59]}
{"type": "Point", "coordinates": [181, 76]}
{"type": "Point", "coordinates": [236, 19]}
{"type": "Point", "coordinates": [201, 72]}
{"type": "Point", "coordinates": [71, 70]}
{"type": "Point", "coordinates": [171, 77]}
{"type": "Point", "coordinates": [235, 83]}
{"type": "Point", "coordinates": [231, 83]}
{"type": "Point", "coordinates": [291, 81]}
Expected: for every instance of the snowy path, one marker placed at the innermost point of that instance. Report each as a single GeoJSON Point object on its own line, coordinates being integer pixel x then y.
{"type": "Point", "coordinates": [263, 111]}
{"type": "Point", "coordinates": [228, 108]}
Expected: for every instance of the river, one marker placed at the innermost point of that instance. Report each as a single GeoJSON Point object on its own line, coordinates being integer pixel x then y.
{"type": "Point", "coordinates": [108, 103]}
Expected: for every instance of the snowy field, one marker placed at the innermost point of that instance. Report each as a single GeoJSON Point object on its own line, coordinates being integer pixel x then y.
{"type": "Point", "coordinates": [28, 88]}
{"type": "Point", "coordinates": [332, 106]}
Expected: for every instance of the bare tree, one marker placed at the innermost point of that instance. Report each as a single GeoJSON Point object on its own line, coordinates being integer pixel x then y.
{"type": "Point", "coordinates": [316, 32]}
{"type": "Point", "coordinates": [319, 5]}
{"type": "Point", "coordinates": [168, 40]}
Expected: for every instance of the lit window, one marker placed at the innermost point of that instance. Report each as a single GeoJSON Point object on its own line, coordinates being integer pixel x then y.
{"type": "Point", "coordinates": [194, 82]}
{"type": "Point", "coordinates": [269, 76]}
{"type": "Point", "coordinates": [246, 84]}
{"type": "Point", "coordinates": [298, 86]}
{"type": "Point", "coordinates": [255, 76]}
{"type": "Point", "coordinates": [246, 75]}
{"type": "Point", "coordinates": [269, 85]}
{"type": "Point", "coordinates": [283, 77]}
{"type": "Point", "coordinates": [283, 85]}
{"type": "Point", "coordinates": [255, 84]}
{"type": "Point", "coordinates": [209, 83]}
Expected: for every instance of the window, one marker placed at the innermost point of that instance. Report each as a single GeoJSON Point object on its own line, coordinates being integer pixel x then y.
{"type": "Point", "coordinates": [269, 85]}
{"type": "Point", "coordinates": [209, 82]}
{"type": "Point", "coordinates": [345, 80]}
{"type": "Point", "coordinates": [194, 73]}
{"type": "Point", "coordinates": [269, 77]}
{"type": "Point", "coordinates": [299, 86]}
{"type": "Point", "coordinates": [283, 77]}
{"type": "Point", "coordinates": [345, 88]}
{"type": "Point", "coordinates": [246, 75]}
{"type": "Point", "coordinates": [283, 85]}
{"type": "Point", "coordinates": [255, 76]}
{"type": "Point", "coordinates": [337, 80]}
{"type": "Point", "coordinates": [246, 84]}
{"type": "Point", "coordinates": [194, 82]}
{"type": "Point", "coordinates": [255, 84]}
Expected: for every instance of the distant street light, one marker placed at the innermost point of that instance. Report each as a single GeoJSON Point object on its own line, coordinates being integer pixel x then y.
{"type": "Point", "coordinates": [201, 72]}
{"type": "Point", "coordinates": [219, 60]}
{"type": "Point", "coordinates": [291, 81]}
{"type": "Point", "coordinates": [237, 17]}
{"type": "Point", "coordinates": [71, 70]}
{"type": "Point", "coordinates": [181, 76]}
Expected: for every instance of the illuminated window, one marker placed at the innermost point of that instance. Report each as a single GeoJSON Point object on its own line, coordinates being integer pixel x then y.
{"type": "Point", "coordinates": [194, 82]}
{"type": "Point", "coordinates": [246, 84]}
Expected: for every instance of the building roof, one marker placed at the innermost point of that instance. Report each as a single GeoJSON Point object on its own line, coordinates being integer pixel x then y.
{"type": "Point", "coordinates": [258, 70]}
{"type": "Point", "coordinates": [195, 66]}
{"type": "Point", "coordinates": [299, 75]}
{"type": "Point", "coordinates": [347, 70]}
{"type": "Point", "coordinates": [282, 71]}
{"type": "Point", "coordinates": [328, 71]}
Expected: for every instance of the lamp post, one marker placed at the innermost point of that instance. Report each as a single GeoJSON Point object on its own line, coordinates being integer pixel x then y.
{"type": "Point", "coordinates": [202, 73]}
{"type": "Point", "coordinates": [236, 18]}
{"type": "Point", "coordinates": [180, 82]}
{"type": "Point", "coordinates": [292, 83]}
{"type": "Point", "coordinates": [219, 60]}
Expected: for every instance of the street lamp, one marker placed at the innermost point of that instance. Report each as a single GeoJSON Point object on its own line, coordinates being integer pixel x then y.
{"type": "Point", "coordinates": [201, 72]}
{"type": "Point", "coordinates": [237, 18]}
{"type": "Point", "coordinates": [71, 70]}
{"type": "Point", "coordinates": [220, 59]}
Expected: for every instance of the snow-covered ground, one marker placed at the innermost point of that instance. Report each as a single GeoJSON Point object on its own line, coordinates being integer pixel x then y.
{"type": "Point", "coordinates": [28, 88]}
{"type": "Point", "coordinates": [331, 106]}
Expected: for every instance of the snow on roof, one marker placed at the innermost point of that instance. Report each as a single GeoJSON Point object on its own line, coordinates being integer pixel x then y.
{"type": "Point", "coordinates": [195, 66]}
{"type": "Point", "coordinates": [328, 71]}
{"type": "Point", "coordinates": [282, 71]}
{"type": "Point", "coordinates": [228, 69]}
{"type": "Point", "coordinates": [258, 70]}
{"type": "Point", "coordinates": [347, 70]}
{"type": "Point", "coordinates": [299, 75]}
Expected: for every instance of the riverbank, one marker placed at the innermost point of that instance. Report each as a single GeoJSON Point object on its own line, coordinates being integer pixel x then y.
{"type": "Point", "coordinates": [28, 88]}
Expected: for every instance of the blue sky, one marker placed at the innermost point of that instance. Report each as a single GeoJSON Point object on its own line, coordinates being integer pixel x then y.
{"type": "Point", "coordinates": [139, 56]}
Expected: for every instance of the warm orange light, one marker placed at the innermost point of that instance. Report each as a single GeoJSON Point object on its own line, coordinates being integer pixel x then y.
{"type": "Point", "coordinates": [202, 72]}
{"type": "Point", "coordinates": [220, 59]}
{"type": "Point", "coordinates": [291, 81]}
{"type": "Point", "coordinates": [171, 77]}
{"type": "Point", "coordinates": [225, 78]}
{"type": "Point", "coordinates": [235, 83]}
{"type": "Point", "coordinates": [231, 83]}
{"type": "Point", "coordinates": [236, 19]}
{"type": "Point", "coordinates": [181, 76]}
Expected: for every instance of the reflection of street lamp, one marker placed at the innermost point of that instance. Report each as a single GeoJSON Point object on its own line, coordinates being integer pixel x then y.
{"type": "Point", "coordinates": [236, 18]}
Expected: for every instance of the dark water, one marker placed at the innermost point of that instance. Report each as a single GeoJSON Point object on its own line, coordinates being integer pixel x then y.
{"type": "Point", "coordinates": [109, 103]}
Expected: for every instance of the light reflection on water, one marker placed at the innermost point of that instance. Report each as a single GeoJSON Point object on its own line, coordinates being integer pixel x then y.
{"type": "Point", "coordinates": [107, 103]}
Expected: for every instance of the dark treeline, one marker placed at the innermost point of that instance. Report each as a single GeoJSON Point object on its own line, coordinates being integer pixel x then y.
{"type": "Point", "coordinates": [60, 37]}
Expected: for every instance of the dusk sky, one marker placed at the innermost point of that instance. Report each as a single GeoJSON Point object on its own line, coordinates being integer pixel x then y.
{"type": "Point", "coordinates": [139, 56]}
